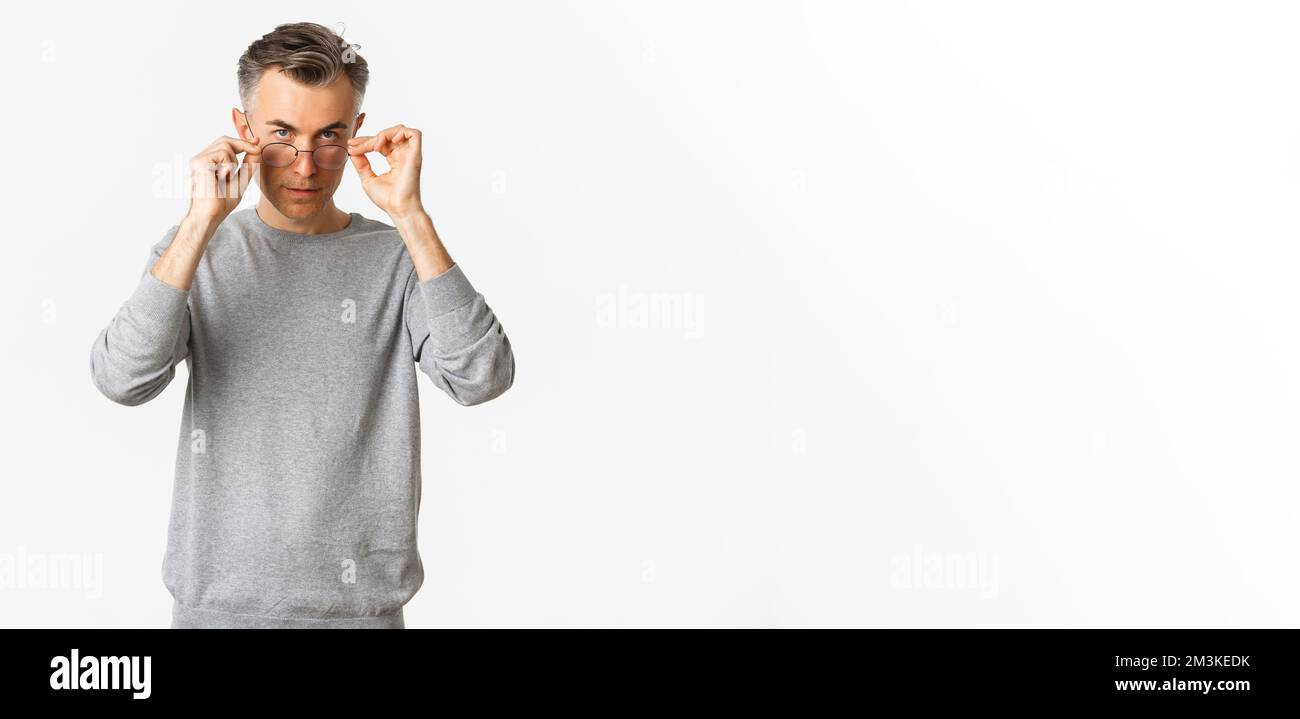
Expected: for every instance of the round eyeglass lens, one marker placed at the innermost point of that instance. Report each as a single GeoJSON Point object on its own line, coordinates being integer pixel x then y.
{"type": "Point", "coordinates": [331, 157]}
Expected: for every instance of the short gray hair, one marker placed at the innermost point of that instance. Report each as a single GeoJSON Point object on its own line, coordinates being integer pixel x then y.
{"type": "Point", "coordinates": [306, 52]}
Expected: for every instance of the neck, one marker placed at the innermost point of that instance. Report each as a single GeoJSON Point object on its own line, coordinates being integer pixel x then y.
{"type": "Point", "coordinates": [328, 219]}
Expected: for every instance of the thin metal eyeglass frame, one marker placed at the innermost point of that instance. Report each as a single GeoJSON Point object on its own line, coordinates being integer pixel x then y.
{"type": "Point", "coordinates": [296, 151]}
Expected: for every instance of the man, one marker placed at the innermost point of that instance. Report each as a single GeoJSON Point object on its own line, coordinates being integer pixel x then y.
{"type": "Point", "coordinates": [297, 484]}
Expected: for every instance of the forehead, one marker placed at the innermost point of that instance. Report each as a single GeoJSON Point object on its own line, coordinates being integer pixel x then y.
{"type": "Point", "coordinates": [304, 106]}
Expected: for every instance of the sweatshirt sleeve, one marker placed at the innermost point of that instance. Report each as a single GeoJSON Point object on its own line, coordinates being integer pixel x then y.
{"type": "Point", "coordinates": [134, 358]}
{"type": "Point", "coordinates": [456, 338]}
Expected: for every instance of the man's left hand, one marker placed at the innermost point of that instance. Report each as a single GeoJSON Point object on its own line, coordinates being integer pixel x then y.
{"type": "Point", "coordinates": [397, 191]}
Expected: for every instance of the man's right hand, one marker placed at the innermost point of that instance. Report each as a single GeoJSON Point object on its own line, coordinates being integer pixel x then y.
{"type": "Point", "coordinates": [217, 184]}
{"type": "Point", "coordinates": [218, 181]}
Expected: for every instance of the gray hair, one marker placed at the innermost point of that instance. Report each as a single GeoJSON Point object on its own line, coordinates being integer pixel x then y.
{"type": "Point", "coordinates": [306, 52]}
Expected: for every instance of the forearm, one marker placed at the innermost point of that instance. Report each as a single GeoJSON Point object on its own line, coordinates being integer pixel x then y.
{"type": "Point", "coordinates": [180, 260]}
{"type": "Point", "coordinates": [458, 340]}
{"type": "Point", "coordinates": [423, 244]}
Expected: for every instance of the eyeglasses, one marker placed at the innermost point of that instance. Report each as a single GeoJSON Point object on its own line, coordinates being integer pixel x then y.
{"type": "Point", "coordinates": [282, 154]}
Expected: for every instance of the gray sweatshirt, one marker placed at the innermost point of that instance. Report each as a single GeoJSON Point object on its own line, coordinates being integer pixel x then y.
{"type": "Point", "coordinates": [297, 485]}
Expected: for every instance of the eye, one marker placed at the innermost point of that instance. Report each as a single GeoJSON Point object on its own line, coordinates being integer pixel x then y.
{"type": "Point", "coordinates": [281, 130]}
{"type": "Point", "coordinates": [332, 134]}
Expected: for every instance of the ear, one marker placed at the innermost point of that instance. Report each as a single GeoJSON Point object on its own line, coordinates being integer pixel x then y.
{"type": "Point", "coordinates": [240, 120]}
{"type": "Point", "coordinates": [356, 128]}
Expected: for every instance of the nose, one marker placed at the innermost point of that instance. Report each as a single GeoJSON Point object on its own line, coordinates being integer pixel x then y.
{"type": "Point", "coordinates": [305, 164]}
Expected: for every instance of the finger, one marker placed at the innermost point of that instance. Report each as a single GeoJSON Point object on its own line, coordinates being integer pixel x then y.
{"type": "Point", "coordinates": [360, 145]}
{"type": "Point", "coordinates": [390, 132]}
{"type": "Point", "coordinates": [363, 166]}
{"type": "Point", "coordinates": [402, 137]}
{"type": "Point", "coordinates": [219, 154]}
{"type": "Point", "coordinates": [225, 186]}
{"type": "Point", "coordinates": [234, 145]}
{"type": "Point", "coordinates": [370, 141]}
{"type": "Point", "coordinates": [203, 178]}
{"type": "Point", "coordinates": [404, 134]}
{"type": "Point", "coordinates": [378, 143]}
{"type": "Point", "coordinates": [409, 137]}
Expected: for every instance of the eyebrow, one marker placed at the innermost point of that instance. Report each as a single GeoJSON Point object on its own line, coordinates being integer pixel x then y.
{"type": "Point", "coordinates": [339, 125]}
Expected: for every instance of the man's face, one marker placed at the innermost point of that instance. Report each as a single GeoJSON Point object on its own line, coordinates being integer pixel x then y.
{"type": "Point", "coordinates": [306, 117]}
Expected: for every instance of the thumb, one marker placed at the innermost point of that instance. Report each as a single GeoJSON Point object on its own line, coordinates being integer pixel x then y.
{"type": "Point", "coordinates": [363, 167]}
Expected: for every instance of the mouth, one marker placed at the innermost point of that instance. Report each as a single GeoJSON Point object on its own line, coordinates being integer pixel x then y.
{"type": "Point", "coordinates": [297, 192]}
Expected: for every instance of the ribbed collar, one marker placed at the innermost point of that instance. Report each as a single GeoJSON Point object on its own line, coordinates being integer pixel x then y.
{"type": "Point", "coordinates": [354, 226]}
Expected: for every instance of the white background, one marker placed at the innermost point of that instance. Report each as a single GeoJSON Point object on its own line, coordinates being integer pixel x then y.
{"type": "Point", "coordinates": [999, 285]}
